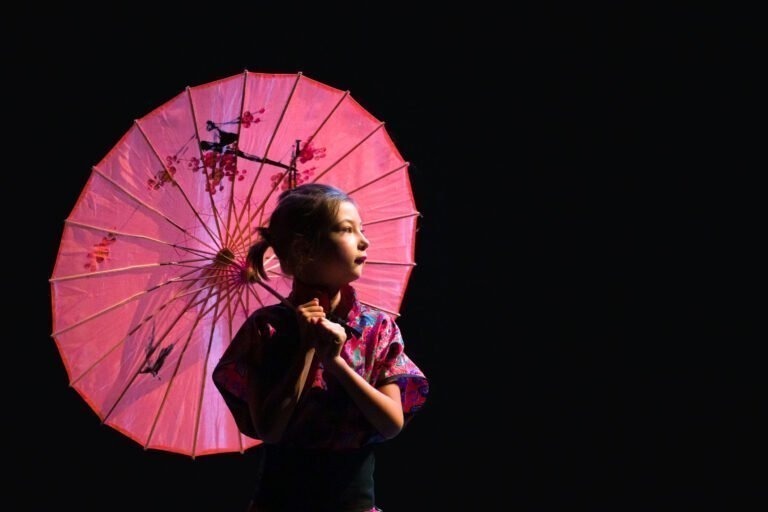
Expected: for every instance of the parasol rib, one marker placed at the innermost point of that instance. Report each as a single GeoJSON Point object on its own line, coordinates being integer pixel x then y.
{"type": "Point", "coordinates": [191, 304]}
{"type": "Point", "coordinates": [259, 210]}
{"type": "Point", "coordinates": [204, 370]}
{"type": "Point", "coordinates": [350, 150]}
{"type": "Point", "coordinates": [101, 273]}
{"type": "Point", "coordinates": [135, 328]}
{"type": "Point", "coordinates": [396, 263]}
{"type": "Point", "coordinates": [292, 167]}
{"type": "Point", "coordinates": [261, 283]}
{"type": "Point", "coordinates": [177, 184]}
{"type": "Point", "coordinates": [138, 369]}
{"type": "Point", "coordinates": [199, 316]}
{"type": "Point", "coordinates": [136, 235]}
{"type": "Point", "coordinates": [207, 255]}
{"type": "Point", "coordinates": [121, 303]}
{"type": "Point", "coordinates": [362, 301]}
{"type": "Point", "coordinates": [368, 184]}
{"type": "Point", "coordinates": [215, 211]}
{"type": "Point", "coordinates": [231, 202]}
{"type": "Point", "coordinates": [247, 203]}
{"type": "Point", "coordinates": [150, 208]}
{"type": "Point", "coordinates": [381, 308]}
{"type": "Point", "coordinates": [389, 219]}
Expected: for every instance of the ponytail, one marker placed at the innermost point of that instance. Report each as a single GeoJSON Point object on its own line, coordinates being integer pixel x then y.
{"type": "Point", "coordinates": [255, 258]}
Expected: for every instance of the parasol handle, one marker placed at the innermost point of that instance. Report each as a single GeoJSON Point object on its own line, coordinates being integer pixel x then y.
{"type": "Point", "coordinates": [252, 277]}
{"type": "Point", "coordinates": [273, 292]}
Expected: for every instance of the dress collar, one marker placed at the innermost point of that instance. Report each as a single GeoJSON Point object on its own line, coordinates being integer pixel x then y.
{"type": "Point", "coordinates": [347, 312]}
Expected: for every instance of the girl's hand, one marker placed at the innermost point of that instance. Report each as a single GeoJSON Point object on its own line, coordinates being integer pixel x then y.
{"type": "Point", "coordinates": [308, 315]}
{"type": "Point", "coordinates": [317, 331]}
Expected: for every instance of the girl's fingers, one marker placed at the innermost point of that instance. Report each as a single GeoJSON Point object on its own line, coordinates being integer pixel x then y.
{"type": "Point", "coordinates": [311, 309]}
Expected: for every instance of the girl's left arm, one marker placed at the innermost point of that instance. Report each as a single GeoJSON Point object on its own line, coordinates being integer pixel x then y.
{"type": "Point", "coordinates": [381, 406]}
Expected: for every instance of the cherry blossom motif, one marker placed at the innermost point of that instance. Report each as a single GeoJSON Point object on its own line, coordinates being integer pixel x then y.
{"type": "Point", "coordinates": [309, 152]}
{"type": "Point", "coordinates": [164, 176]}
{"type": "Point", "coordinates": [217, 167]}
{"type": "Point", "coordinates": [300, 177]}
{"type": "Point", "coordinates": [100, 252]}
{"type": "Point", "coordinates": [218, 160]}
{"type": "Point", "coordinates": [248, 118]}
{"type": "Point", "coordinates": [306, 154]}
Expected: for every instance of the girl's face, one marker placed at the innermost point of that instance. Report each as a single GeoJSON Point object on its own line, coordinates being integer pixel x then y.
{"type": "Point", "coordinates": [341, 256]}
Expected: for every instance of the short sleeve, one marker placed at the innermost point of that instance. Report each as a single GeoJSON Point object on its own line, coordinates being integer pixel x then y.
{"type": "Point", "coordinates": [231, 375]}
{"type": "Point", "coordinates": [393, 365]}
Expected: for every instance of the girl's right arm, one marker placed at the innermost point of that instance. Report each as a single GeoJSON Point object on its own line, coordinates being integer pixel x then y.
{"type": "Point", "coordinates": [271, 409]}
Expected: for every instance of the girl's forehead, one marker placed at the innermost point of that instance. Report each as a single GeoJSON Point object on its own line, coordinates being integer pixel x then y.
{"type": "Point", "coordinates": [348, 211]}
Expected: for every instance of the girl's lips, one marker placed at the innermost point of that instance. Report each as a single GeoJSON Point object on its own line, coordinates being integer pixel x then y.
{"type": "Point", "coordinates": [360, 261]}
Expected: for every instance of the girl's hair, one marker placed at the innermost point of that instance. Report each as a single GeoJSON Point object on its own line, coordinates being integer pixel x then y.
{"type": "Point", "coordinates": [305, 212]}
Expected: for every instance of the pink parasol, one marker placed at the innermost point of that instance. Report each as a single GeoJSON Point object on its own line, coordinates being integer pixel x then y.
{"type": "Point", "coordinates": [150, 282]}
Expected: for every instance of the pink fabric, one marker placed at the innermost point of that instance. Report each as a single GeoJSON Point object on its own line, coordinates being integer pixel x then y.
{"type": "Point", "coordinates": [145, 299]}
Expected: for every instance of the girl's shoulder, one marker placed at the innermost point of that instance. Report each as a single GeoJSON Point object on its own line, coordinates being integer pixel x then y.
{"type": "Point", "coordinates": [271, 317]}
{"type": "Point", "coordinates": [368, 311]}
{"type": "Point", "coordinates": [374, 323]}
{"type": "Point", "coordinates": [271, 311]}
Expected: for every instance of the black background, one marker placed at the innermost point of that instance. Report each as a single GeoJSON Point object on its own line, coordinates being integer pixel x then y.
{"type": "Point", "coordinates": [583, 302]}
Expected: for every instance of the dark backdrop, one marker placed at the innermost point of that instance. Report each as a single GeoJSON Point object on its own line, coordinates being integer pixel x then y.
{"type": "Point", "coordinates": [581, 302]}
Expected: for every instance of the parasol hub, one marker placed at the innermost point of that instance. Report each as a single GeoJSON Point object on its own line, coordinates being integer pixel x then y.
{"type": "Point", "coordinates": [249, 274]}
{"type": "Point", "coordinates": [225, 257]}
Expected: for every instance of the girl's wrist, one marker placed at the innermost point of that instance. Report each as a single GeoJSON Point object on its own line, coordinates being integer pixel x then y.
{"type": "Point", "coordinates": [334, 364]}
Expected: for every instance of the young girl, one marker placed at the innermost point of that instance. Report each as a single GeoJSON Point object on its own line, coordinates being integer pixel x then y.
{"type": "Point", "coordinates": [322, 382]}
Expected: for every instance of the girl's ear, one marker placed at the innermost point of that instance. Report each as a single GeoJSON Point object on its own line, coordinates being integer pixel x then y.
{"type": "Point", "coordinates": [300, 253]}
{"type": "Point", "coordinates": [300, 247]}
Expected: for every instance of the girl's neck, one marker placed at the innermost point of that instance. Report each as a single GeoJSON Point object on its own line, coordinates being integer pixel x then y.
{"type": "Point", "coordinates": [332, 294]}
